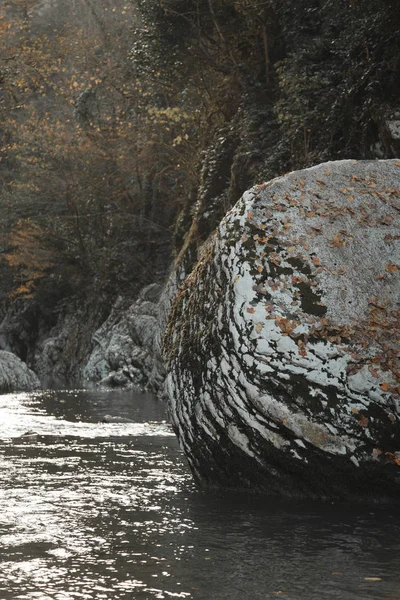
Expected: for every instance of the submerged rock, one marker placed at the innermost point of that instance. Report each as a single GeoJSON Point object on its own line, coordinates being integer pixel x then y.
{"type": "Point", "coordinates": [283, 343]}
{"type": "Point", "coordinates": [15, 376]}
{"type": "Point", "coordinates": [27, 437]}
{"type": "Point", "coordinates": [115, 419]}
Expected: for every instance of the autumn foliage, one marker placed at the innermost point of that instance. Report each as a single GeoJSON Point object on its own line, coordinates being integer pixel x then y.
{"type": "Point", "coordinates": [87, 173]}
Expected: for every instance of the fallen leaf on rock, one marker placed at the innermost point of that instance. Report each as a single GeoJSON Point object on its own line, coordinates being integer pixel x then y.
{"type": "Point", "coordinates": [363, 421]}
{"type": "Point", "coordinates": [373, 371]}
{"type": "Point", "coordinates": [376, 452]}
{"type": "Point", "coordinates": [393, 457]}
{"type": "Point", "coordinates": [391, 268]}
{"type": "Point", "coordinates": [250, 310]}
{"type": "Point", "coordinates": [315, 261]}
{"type": "Point", "coordinates": [296, 279]}
{"type": "Point", "coordinates": [259, 327]}
{"type": "Point", "coordinates": [286, 325]}
{"type": "Point", "coordinates": [385, 386]}
{"type": "Point", "coordinates": [260, 269]}
{"type": "Point", "coordinates": [374, 301]}
{"type": "Point", "coordinates": [387, 220]}
{"type": "Point", "coordinates": [302, 348]}
{"type": "Point", "coordinates": [275, 259]}
{"type": "Point", "coordinates": [337, 241]}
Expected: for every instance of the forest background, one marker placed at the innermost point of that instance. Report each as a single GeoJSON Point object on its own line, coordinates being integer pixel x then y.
{"type": "Point", "coordinates": [129, 128]}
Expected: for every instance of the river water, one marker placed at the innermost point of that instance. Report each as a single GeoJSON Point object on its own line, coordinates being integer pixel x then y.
{"type": "Point", "coordinates": [109, 511]}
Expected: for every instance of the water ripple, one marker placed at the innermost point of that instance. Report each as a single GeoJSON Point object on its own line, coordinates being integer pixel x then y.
{"type": "Point", "coordinates": [109, 511]}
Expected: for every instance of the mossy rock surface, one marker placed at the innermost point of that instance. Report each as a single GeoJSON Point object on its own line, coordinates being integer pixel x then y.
{"type": "Point", "coordinates": [283, 343]}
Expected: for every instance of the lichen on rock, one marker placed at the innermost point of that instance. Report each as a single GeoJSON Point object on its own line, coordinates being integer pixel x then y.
{"type": "Point", "coordinates": [283, 343]}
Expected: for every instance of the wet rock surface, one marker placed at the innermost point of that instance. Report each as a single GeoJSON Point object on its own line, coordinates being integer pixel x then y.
{"type": "Point", "coordinates": [15, 376]}
{"type": "Point", "coordinates": [283, 343]}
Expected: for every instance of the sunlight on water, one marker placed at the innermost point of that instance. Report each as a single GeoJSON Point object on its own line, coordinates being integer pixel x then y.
{"type": "Point", "coordinates": [22, 412]}
{"type": "Point", "coordinates": [77, 492]}
{"type": "Point", "coordinates": [109, 511]}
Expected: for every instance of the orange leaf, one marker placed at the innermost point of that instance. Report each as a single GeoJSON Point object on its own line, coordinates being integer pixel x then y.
{"type": "Point", "coordinates": [391, 268]}
{"type": "Point", "coordinates": [338, 240]}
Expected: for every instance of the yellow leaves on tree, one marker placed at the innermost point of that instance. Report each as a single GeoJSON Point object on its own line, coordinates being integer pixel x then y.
{"type": "Point", "coordinates": [28, 256]}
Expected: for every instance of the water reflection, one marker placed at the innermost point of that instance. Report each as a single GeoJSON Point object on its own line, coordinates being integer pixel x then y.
{"type": "Point", "coordinates": [92, 510]}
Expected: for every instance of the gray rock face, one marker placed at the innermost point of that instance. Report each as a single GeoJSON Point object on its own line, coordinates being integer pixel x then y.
{"type": "Point", "coordinates": [15, 376]}
{"type": "Point", "coordinates": [283, 344]}
{"type": "Point", "coordinates": [127, 346]}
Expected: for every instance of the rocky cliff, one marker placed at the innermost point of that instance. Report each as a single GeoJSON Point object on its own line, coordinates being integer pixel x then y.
{"type": "Point", "coordinates": [283, 343]}
{"type": "Point", "coordinates": [127, 345]}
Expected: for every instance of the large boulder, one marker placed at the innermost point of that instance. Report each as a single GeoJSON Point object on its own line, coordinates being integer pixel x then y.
{"type": "Point", "coordinates": [282, 347]}
{"type": "Point", "coordinates": [15, 376]}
